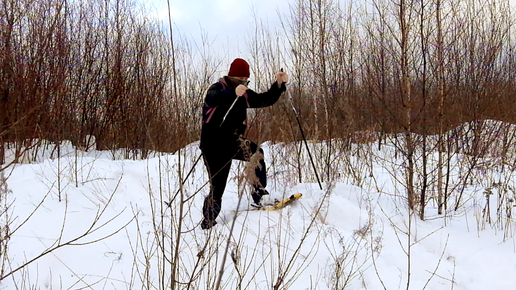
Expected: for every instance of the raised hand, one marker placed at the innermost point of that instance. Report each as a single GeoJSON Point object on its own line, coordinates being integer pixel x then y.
{"type": "Point", "coordinates": [240, 90]}
{"type": "Point", "coordinates": [281, 77]}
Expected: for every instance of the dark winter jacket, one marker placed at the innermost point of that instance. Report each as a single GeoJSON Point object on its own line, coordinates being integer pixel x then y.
{"type": "Point", "coordinates": [219, 98]}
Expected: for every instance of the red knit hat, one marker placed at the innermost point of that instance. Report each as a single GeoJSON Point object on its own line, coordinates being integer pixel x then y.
{"type": "Point", "coordinates": [239, 68]}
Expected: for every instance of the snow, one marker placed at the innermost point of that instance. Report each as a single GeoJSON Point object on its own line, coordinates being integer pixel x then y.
{"type": "Point", "coordinates": [108, 226]}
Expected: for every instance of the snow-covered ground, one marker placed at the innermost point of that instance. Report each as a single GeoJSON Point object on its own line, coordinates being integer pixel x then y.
{"type": "Point", "coordinates": [108, 227]}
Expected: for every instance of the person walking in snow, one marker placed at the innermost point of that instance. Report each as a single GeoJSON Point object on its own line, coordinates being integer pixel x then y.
{"type": "Point", "coordinates": [223, 126]}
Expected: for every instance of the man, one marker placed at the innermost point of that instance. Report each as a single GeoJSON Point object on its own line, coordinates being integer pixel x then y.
{"type": "Point", "coordinates": [224, 124]}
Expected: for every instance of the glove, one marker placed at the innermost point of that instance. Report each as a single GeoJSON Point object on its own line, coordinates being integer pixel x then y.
{"type": "Point", "coordinates": [281, 77]}
{"type": "Point", "coordinates": [240, 90]}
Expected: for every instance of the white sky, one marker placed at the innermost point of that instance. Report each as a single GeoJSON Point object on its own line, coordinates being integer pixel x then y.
{"type": "Point", "coordinates": [225, 22]}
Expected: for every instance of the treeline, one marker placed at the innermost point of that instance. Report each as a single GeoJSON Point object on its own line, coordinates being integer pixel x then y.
{"type": "Point", "coordinates": [73, 69]}
{"type": "Point", "coordinates": [397, 66]}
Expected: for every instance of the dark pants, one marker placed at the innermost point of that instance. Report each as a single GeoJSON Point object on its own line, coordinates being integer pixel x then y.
{"type": "Point", "coordinates": [218, 163]}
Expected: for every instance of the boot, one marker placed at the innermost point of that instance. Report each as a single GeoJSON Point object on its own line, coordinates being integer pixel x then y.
{"type": "Point", "coordinates": [257, 196]}
{"type": "Point", "coordinates": [206, 224]}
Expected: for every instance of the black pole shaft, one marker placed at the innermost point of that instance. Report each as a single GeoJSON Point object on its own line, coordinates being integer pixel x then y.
{"type": "Point", "coordinates": [304, 140]}
{"type": "Point", "coordinates": [308, 150]}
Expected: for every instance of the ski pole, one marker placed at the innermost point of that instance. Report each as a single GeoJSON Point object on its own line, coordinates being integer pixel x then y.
{"type": "Point", "coordinates": [304, 139]}
{"type": "Point", "coordinates": [234, 102]}
{"type": "Point", "coordinates": [224, 118]}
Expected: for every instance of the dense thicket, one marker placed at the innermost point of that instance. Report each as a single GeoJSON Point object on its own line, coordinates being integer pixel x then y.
{"type": "Point", "coordinates": [424, 77]}
{"type": "Point", "coordinates": [72, 69]}
{"type": "Point", "coordinates": [393, 66]}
